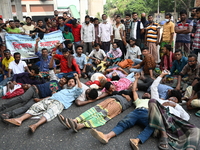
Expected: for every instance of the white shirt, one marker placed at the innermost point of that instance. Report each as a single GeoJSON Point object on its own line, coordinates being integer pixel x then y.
{"type": "Point", "coordinates": [177, 111]}
{"type": "Point", "coordinates": [17, 68]}
{"type": "Point", "coordinates": [100, 54]}
{"type": "Point", "coordinates": [2, 34]}
{"type": "Point", "coordinates": [133, 27]}
{"type": "Point", "coordinates": [132, 52]}
{"type": "Point", "coordinates": [117, 31]}
{"type": "Point", "coordinates": [87, 32]}
{"type": "Point", "coordinates": [105, 31]}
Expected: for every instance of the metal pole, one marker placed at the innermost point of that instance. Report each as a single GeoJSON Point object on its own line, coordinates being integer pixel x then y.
{"type": "Point", "coordinates": [175, 17]}
{"type": "Point", "coordinates": [158, 7]}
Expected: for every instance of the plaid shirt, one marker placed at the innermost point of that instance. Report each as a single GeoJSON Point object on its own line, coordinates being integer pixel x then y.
{"type": "Point", "coordinates": [196, 42]}
{"type": "Point", "coordinates": [126, 24]}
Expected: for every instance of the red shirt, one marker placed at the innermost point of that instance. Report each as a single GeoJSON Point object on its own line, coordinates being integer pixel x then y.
{"type": "Point", "coordinates": [76, 31]}
{"type": "Point", "coordinates": [64, 65]}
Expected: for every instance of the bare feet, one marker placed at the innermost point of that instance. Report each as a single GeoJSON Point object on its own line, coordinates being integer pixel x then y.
{"type": "Point", "coordinates": [33, 128]}
{"type": "Point", "coordinates": [13, 121]}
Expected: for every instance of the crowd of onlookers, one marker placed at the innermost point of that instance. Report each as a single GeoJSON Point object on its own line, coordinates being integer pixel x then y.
{"type": "Point", "coordinates": [120, 59]}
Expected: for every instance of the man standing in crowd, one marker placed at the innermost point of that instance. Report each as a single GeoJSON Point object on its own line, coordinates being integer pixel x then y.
{"type": "Point", "coordinates": [96, 29]}
{"type": "Point", "coordinates": [126, 23]}
{"type": "Point", "coordinates": [105, 33]}
{"type": "Point", "coordinates": [183, 29]}
{"type": "Point", "coordinates": [28, 27]}
{"type": "Point", "coordinates": [152, 37]}
{"type": "Point", "coordinates": [136, 29]}
{"type": "Point", "coordinates": [12, 29]}
{"type": "Point", "coordinates": [87, 35]}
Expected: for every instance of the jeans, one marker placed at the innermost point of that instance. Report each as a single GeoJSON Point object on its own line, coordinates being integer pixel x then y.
{"type": "Point", "coordinates": [131, 77]}
{"type": "Point", "coordinates": [138, 116]}
{"type": "Point", "coordinates": [69, 74]}
{"type": "Point", "coordinates": [136, 62]}
{"type": "Point", "coordinates": [4, 82]}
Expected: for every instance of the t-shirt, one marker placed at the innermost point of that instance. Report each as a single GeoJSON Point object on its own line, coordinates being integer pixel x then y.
{"type": "Point", "coordinates": [132, 52]}
{"type": "Point", "coordinates": [48, 88]}
{"type": "Point", "coordinates": [117, 31]}
{"type": "Point", "coordinates": [100, 54]}
{"type": "Point", "coordinates": [141, 103]}
{"type": "Point", "coordinates": [6, 62]}
{"type": "Point", "coordinates": [152, 33]}
{"type": "Point", "coordinates": [17, 68]}
{"type": "Point", "coordinates": [27, 28]}
{"type": "Point", "coordinates": [76, 31]}
{"type": "Point", "coordinates": [15, 30]}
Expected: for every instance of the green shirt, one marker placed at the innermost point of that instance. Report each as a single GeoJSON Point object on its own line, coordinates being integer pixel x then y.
{"type": "Point", "coordinates": [141, 103]}
{"type": "Point", "coordinates": [69, 36]}
{"type": "Point", "coordinates": [15, 30]}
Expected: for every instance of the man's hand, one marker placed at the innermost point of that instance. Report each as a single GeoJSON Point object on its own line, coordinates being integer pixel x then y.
{"type": "Point", "coordinates": [137, 75]}
{"type": "Point", "coordinates": [76, 76]}
{"type": "Point", "coordinates": [14, 82]}
{"type": "Point", "coordinates": [37, 99]}
{"type": "Point", "coordinates": [128, 98]}
{"type": "Point", "coordinates": [79, 75]}
{"type": "Point", "coordinates": [57, 44]}
{"type": "Point", "coordinates": [164, 73]}
{"type": "Point", "coordinates": [164, 80]}
{"type": "Point", "coordinates": [169, 104]}
{"type": "Point", "coordinates": [119, 68]}
{"type": "Point", "coordinates": [189, 104]}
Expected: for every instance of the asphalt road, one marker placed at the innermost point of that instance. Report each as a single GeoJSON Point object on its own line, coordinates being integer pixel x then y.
{"type": "Point", "coordinates": [54, 136]}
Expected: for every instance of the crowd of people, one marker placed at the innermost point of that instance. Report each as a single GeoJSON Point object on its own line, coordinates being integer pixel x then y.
{"type": "Point", "coordinates": [118, 59]}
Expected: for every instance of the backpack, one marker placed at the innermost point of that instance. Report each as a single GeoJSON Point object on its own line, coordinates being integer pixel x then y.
{"type": "Point", "coordinates": [126, 63]}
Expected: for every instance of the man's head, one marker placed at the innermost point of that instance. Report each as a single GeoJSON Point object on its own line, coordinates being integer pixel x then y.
{"type": "Point", "coordinates": [91, 94]}
{"type": "Point", "coordinates": [134, 15]}
{"type": "Point", "coordinates": [96, 21]}
{"type": "Point", "coordinates": [145, 51]}
{"type": "Point", "coordinates": [68, 44]}
{"type": "Point", "coordinates": [65, 15]}
{"type": "Point", "coordinates": [183, 15]}
{"type": "Point", "coordinates": [132, 41]}
{"type": "Point", "coordinates": [115, 77]}
{"type": "Point", "coordinates": [12, 24]}
{"type": "Point", "coordinates": [198, 13]}
{"type": "Point", "coordinates": [71, 82]}
{"type": "Point", "coordinates": [63, 80]}
{"type": "Point", "coordinates": [56, 13]}
{"type": "Point", "coordinates": [178, 54]}
{"type": "Point", "coordinates": [87, 19]}
{"type": "Point", "coordinates": [54, 24]}
{"type": "Point", "coordinates": [47, 20]}
{"type": "Point", "coordinates": [143, 15]}
{"type": "Point", "coordinates": [40, 23]}
{"type": "Point", "coordinates": [17, 57]}
{"type": "Point", "coordinates": [146, 96]}
{"type": "Point", "coordinates": [118, 19]}
{"type": "Point", "coordinates": [128, 17]}
{"type": "Point", "coordinates": [166, 49]}
{"type": "Point", "coordinates": [26, 86]}
{"type": "Point", "coordinates": [34, 71]}
{"type": "Point", "coordinates": [150, 19]}
{"type": "Point", "coordinates": [44, 52]}
{"type": "Point", "coordinates": [32, 22]}
{"type": "Point", "coordinates": [1, 21]}
{"type": "Point", "coordinates": [174, 95]}
{"type": "Point", "coordinates": [74, 22]}
{"type": "Point", "coordinates": [109, 87]}
{"type": "Point", "coordinates": [193, 13]}
{"type": "Point", "coordinates": [66, 30]}
{"type": "Point", "coordinates": [97, 46]}
{"type": "Point", "coordinates": [28, 20]}
{"type": "Point", "coordinates": [192, 60]}
{"type": "Point", "coordinates": [61, 20]}
{"type": "Point", "coordinates": [17, 23]}
{"type": "Point", "coordinates": [79, 49]}
{"type": "Point", "coordinates": [65, 52]}
{"type": "Point", "coordinates": [104, 17]}
{"type": "Point", "coordinates": [114, 45]}
{"type": "Point", "coordinates": [7, 54]}
{"type": "Point", "coordinates": [168, 17]}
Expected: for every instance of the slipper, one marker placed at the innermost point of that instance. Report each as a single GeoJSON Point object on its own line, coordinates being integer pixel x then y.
{"type": "Point", "coordinates": [63, 121]}
{"type": "Point", "coordinates": [5, 116]}
{"type": "Point", "coordinates": [133, 145]}
{"type": "Point", "coordinates": [197, 113]}
{"type": "Point", "coordinates": [12, 121]}
{"type": "Point", "coordinates": [72, 124]}
{"type": "Point", "coordinates": [163, 141]}
{"type": "Point", "coordinates": [98, 135]}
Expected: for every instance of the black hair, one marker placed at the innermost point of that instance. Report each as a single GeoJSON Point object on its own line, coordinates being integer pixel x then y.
{"type": "Point", "coordinates": [103, 15]}
{"type": "Point", "coordinates": [11, 21]}
{"type": "Point", "coordinates": [74, 21]}
{"type": "Point", "coordinates": [134, 13]}
{"type": "Point", "coordinates": [79, 46]}
{"type": "Point", "coordinates": [44, 49]}
{"type": "Point", "coordinates": [168, 47]}
{"type": "Point", "coordinates": [168, 14]}
{"type": "Point", "coordinates": [115, 78]}
{"type": "Point", "coordinates": [17, 53]}
{"type": "Point", "coordinates": [96, 44]}
{"type": "Point", "coordinates": [128, 15]}
{"type": "Point", "coordinates": [91, 19]}
{"type": "Point", "coordinates": [107, 85]}
{"type": "Point", "coordinates": [1, 19]}
{"type": "Point", "coordinates": [198, 9]}
{"type": "Point", "coordinates": [61, 18]}
{"type": "Point", "coordinates": [35, 68]}
{"type": "Point", "coordinates": [150, 16]}
{"type": "Point", "coordinates": [177, 94]}
{"type": "Point", "coordinates": [21, 23]}
{"type": "Point", "coordinates": [69, 79]}
{"type": "Point", "coordinates": [64, 50]}
{"type": "Point", "coordinates": [66, 42]}
{"type": "Point", "coordinates": [122, 21]}
{"type": "Point", "coordinates": [66, 29]}
{"type": "Point", "coordinates": [118, 16]}
{"type": "Point", "coordinates": [28, 18]}
{"type": "Point", "coordinates": [183, 12]}
{"type": "Point", "coordinates": [95, 19]}
{"type": "Point", "coordinates": [65, 13]}
{"type": "Point", "coordinates": [115, 43]}
{"type": "Point", "coordinates": [178, 50]}
{"type": "Point", "coordinates": [17, 20]}
{"type": "Point", "coordinates": [132, 38]}
{"type": "Point", "coordinates": [40, 20]}
{"type": "Point", "coordinates": [93, 94]}
{"type": "Point", "coordinates": [193, 55]}
{"type": "Point", "coordinates": [46, 19]}
{"type": "Point", "coordinates": [144, 48]}
{"type": "Point", "coordinates": [6, 51]}
{"type": "Point", "coordinates": [87, 16]}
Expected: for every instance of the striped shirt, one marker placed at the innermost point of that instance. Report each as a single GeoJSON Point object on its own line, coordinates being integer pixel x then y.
{"type": "Point", "coordinates": [152, 32]}
{"type": "Point", "coordinates": [196, 42]}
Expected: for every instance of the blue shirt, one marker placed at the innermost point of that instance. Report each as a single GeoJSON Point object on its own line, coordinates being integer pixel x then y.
{"type": "Point", "coordinates": [81, 61]}
{"type": "Point", "coordinates": [178, 65]}
{"type": "Point", "coordinates": [58, 52]}
{"type": "Point", "coordinates": [67, 96]}
{"type": "Point", "coordinates": [44, 63]}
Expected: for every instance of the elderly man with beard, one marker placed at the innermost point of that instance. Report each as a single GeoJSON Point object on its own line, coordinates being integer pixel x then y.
{"type": "Point", "coordinates": [49, 108]}
{"type": "Point", "coordinates": [191, 69]}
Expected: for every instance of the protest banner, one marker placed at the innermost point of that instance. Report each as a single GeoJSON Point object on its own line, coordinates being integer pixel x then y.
{"type": "Point", "coordinates": [25, 45]}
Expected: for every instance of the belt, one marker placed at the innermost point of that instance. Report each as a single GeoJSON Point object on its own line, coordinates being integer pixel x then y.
{"type": "Point", "coordinates": [144, 108]}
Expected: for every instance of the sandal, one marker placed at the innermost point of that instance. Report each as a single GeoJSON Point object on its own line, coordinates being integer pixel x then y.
{"type": "Point", "coordinates": [197, 113]}
{"type": "Point", "coordinates": [73, 124]}
{"type": "Point", "coordinates": [134, 145]}
{"type": "Point", "coordinates": [64, 121]}
{"type": "Point", "coordinates": [163, 141]}
{"type": "Point", "coordinates": [5, 116]}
